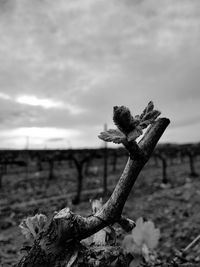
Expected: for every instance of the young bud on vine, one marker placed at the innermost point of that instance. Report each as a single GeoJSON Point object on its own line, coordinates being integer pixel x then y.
{"type": "Point", "coordinates": [129, 127]}
{"type": "Point", "coordinates": [32, 226]}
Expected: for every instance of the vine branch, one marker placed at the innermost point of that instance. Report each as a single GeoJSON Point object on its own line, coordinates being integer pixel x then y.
{"type": "Point", "coordinates": [67, 228]}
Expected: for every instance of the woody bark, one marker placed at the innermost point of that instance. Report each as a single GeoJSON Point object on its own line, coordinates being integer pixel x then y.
{"type": "Point", "coordinates": [57, 242]}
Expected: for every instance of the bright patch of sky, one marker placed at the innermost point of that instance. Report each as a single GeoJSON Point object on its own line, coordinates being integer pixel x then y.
{"type": "Point", "coordinates": [35, 137]}
{"type": "Point", "coordinates": [34, 101]}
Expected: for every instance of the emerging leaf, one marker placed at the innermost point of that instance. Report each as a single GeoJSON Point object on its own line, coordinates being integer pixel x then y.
{"type": "Point", "coordinates": [31, 226]}
{"type": "Point", "coordinates": [151, 235]}
{"type": "Point", "coordinates": [143, 240]}
{"type": "Point", "coordinates": [128, 244]}
{"type": "Point", "coordinates": [148, 109]}
{"type": "Point", "coordinates": [124, 120]}
{"type": "Point", "coordinates": [130, 128]}
{"type": "Point", "coordinates": [145, 232]}
{"type": "Point", "coordinates": [152, 116]}
{"type": "Point", "coordinates": [149, 115]}
{"type": "Point", "coordinates": [112, 135]}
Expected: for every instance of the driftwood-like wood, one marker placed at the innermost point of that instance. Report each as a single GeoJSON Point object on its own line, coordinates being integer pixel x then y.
{"type": "Point", "coordinates": [60, 241]}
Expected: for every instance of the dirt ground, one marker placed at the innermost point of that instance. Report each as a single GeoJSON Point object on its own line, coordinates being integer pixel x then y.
{"type": "Point", "coordinates": [174, 209]}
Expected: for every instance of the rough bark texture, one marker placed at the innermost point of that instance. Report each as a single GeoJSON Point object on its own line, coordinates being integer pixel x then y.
{"type": "Point", "coordinates": [60, 241]}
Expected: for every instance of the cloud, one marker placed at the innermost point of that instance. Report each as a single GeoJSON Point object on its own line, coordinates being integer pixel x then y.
{"type": "Point", "coordinates": [65, 64]}
{"type": "Point", "coordinates": [34, 101]}
{"type": "Point", "coordinates": [4, 96]}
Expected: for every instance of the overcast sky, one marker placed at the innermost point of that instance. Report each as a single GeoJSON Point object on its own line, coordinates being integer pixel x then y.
{"type": "Point", "coordinates": [64, 64]}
